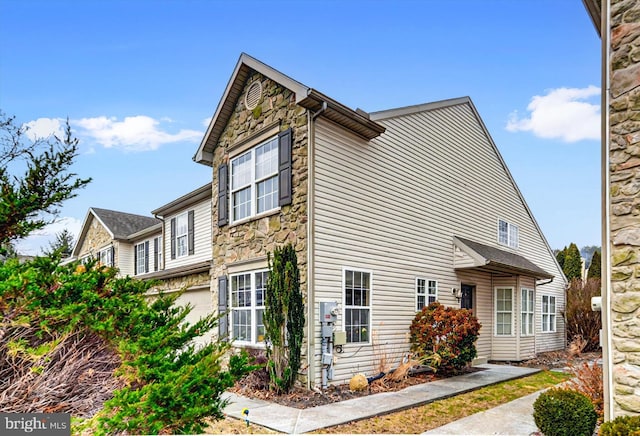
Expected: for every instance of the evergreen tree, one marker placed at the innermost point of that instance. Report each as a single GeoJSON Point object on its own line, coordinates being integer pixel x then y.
{"type": "Point", "coordinates": [34, 178]}
{"type": "Point", "coordinates": [560, 255]}
{"type": "Point", "coordinates": [283, 318]}
{"type": "Point", "coordinates": [62, 245]}
{"type": "Point", "coordinates": [572, 267]}
{"type": "Point", "coordinates": [596, 266]}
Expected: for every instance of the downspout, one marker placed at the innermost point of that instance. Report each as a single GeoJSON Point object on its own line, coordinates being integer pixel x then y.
{"type": "Point", "coordinates": [311, 322]}
{"type": "Point", "coordinates": [607, 357]}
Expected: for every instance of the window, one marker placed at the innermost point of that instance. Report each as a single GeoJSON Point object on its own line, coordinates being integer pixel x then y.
{"type": "Point", "coordinates": [182, 233]}
{"type": "Point", "coordinates": [526, 319]}
{"type": "Point", "coordinates": [504, 313]}
{"type": "Point", "coordinates": [254, 181]}
{"type": "Point", "coordinates": [426, 292]}
{"type": "Point", "coordinates": [141, 258]}
{"type": "Point", "coordinates": [106, 256]}
{"type": "Point", "coordinates": [248, 292]}
{"type": "Point", "coordinates": [157, 260]}
{"type": "Point", "coordinates": [507, 234]}
{"type": "Point", "coordinates": [357, 306]}
{"type": "Point", "coordinates": [548, 313]}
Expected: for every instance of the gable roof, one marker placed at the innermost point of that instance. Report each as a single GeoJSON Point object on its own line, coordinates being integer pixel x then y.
{"type": "Point", "coordinates": [355, 120]}
{"type": "Point", "coordinates": [493, 259]}
{"type": "Point", "coordinates": [119, 225]}
{"type": "Point", "coordinates": [122, 224]}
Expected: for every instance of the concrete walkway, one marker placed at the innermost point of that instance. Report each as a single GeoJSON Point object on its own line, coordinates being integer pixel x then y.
{"type": "Point", "coordinates": [512, 418]}
{"type": "Point", "coordinates": [295, 421]}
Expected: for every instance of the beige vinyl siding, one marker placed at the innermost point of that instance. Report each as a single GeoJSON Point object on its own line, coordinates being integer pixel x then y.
{"type": "Point", "coordinates": [392, 206]}
{"type": "Point", "coordinates": [125, 258]}
{"type": "Point", "coordinates": [483, 309]}
{"type": "Point", "coordinates": [202, 236]}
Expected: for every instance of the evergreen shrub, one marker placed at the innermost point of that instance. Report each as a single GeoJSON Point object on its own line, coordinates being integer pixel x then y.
{"type": "Point", "coordinates": [563, 412]}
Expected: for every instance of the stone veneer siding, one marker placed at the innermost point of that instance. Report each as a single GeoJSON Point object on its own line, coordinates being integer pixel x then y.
{"type": "Point", "coordinates": [97, 237]}
{"type": "Point", "coordinates": [624, 156]}
{"type": "Point", "coordinates": [254, 239]}
{"type": "Point", "coordinates": [184, 282]}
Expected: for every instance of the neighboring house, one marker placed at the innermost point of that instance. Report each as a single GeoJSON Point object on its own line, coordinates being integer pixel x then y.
{"type": "Point", "coordinates": [387, 211]}
{"type": "Point", "coordinates": [618, 24]}
{"type": "Point", "coordinates": [173, 248]}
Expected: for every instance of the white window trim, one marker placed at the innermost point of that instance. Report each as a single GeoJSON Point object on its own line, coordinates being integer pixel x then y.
{"type": "Point", "coordinates": [138, 257]}
{"type": "Point", "coordinates": [254, 327]}
{"type": "Point", "coordinates": [108, 253]}
{"type": "Point", "coordinates": [554, 313]}
{"type": "Point", "coordinates": [253, 214]}
{"type": "Point", "coordinates": [344, 303]}
{"type": "Point", "coordinates": [510, 229]}
{"type": "Point", "coordinates": [531, 311]}
{"type": "Point", "coordinates": [159, 253]}
{"type": "Point", "coordinates": [185, 234]}
{"type": "Point", "coordinates": [426, 294]}
{"type": "Point", "coordinates": [495, 312]}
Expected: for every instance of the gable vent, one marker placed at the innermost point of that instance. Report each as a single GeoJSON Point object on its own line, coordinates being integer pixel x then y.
{"type": "Point", "coordinates": [254, 93]}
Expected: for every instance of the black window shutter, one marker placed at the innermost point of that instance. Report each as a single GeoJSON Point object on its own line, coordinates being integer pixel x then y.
{"type": "Point", "coordinates": [113, 256]}
{"type": "Point", "coordinates": [223, 195]}
{"type": "Point", "coordinates": [155, 253]}
{"type": "Point", "coordinates": [191, 238]}
{"type": "Point", "coordinates": [146, 256]}
{"type": "Point", "coordinates": [223, 323]}
{"type": "Point", "coordinates": [135, 259]}
{"type": "Point", "coordinates": [173, 238]}
{"type": "Point", "coordinates": [284, 168]}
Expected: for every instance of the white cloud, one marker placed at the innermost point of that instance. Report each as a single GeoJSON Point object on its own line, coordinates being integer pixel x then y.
{"type": "Point", "coordinates": [44, 128]}
{"type": "Point", "coordinates": [207, 121]}
{"type": "Point", "coordinates": [563, 113]}
{"type": "Point", "coordinates": [34, 244]}
{"type": "Point", "coordinates": [136, 133]}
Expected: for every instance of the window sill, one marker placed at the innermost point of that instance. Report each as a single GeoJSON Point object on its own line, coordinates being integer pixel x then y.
{"type": "Point", "coordinates": [255, 217]}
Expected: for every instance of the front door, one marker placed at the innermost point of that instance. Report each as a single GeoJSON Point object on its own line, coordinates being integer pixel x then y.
{"type": "Point", "coordinates": [466, 300]}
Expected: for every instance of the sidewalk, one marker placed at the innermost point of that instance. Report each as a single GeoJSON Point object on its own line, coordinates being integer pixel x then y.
{"type": "Point", "coordinates": [295, 421]}
{"type": "Point", "coordinates": [512, 418]}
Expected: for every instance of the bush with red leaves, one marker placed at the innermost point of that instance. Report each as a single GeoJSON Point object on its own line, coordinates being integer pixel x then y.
{"type": "Point", "coordinates": [445, 333]}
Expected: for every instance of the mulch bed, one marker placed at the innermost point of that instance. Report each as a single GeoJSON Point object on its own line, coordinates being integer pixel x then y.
{"type": "Point", "coordinates": [302, 398]}
{"type": "Point", "coordinates": [255, 385]}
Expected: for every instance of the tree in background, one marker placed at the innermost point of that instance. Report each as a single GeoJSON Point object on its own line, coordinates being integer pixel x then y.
{"type": "Point", "coordinates": [571, 262]}
{"type": "Point", "coordinates": [283, 318]}
{"type": "Point", "coordinates": [595, 266]}
{"type": "Point", "coordinates": [587, 254]}
{"type": "Point", "coordinates": [34, 177]}
{"type": "Point", "coordinates": [560, 254]}
{"type": "Point", "coordinates": [62, 246]}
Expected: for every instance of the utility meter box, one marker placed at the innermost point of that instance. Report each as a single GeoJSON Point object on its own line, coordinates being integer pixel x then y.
{"type": "Point", "coordinates": [339, 338]}
{"type": "Point", "coordinates": [328, 312]}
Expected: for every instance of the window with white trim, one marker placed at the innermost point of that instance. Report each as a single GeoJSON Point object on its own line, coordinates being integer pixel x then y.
{"type": "Point", "coordinates": [426, 292]}
{"type": "Point", "coordinates": [248, 291]}
{"type": "Point", "coordinates": [182, 235]}
{"type": "Point", "coordinates": [357, 305]}
{"type": "Point", "coordinates": [158, 254]}
{"type": "Point", "coordinates": [106, 256]}
{"type": "Point", "coordinates": [527, 312]}
{"type": "Point", "coordinates": [548, 313]}
{"type": "Point", "coordinates": [254, 181]}
{"type": "Point", "coordinates": [507, 234]}
{"type": "Point", "coordinates": [142, 251]}
{"type": "Point", "coordinates": [504, 311]}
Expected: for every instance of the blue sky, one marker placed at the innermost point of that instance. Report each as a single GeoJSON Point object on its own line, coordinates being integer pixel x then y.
{"type": "Point", "coordinates": [138, 79]}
